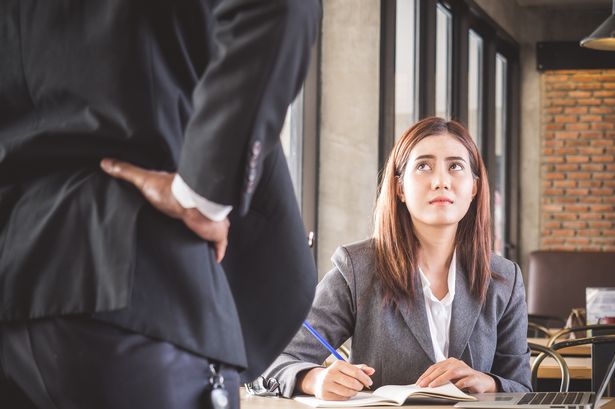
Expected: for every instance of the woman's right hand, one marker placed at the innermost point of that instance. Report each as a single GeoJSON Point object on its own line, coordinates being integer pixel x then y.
{"type": "Point", "coordinates": [340, 381]}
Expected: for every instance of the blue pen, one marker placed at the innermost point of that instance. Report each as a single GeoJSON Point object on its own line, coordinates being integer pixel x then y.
{"type": "Point", "coordinates": [322, 341]}
{"type": "Point", "coordinates": [325, 343]}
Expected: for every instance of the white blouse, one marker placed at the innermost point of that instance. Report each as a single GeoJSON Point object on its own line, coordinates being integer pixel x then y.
{"type": "Point", "coordinates": [439, 312]}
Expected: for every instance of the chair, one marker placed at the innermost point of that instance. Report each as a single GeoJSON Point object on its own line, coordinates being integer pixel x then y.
{"type": "Point", "coordinates": [557, 279]}
{"type": "Point", "coordinates": [538, 326]}
{"type": "Point", "coordinates": [546, 320]}
{"type": "Point", "coordinates": [599, 363]}
{"type": "Point", "coordinates": [565, 331]}
{"type": "Point", "coordinates": [544, 352]}
{"type": "Point", "coordinates": [343, 350]}
{"type": "Point", "coordinates": [537, 331]}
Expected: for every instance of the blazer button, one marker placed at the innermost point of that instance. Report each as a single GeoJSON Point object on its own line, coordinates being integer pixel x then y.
{"type": "Point", "coordinates": [252, 176]}
{"type": "Point", "coordinates": [256, 148]}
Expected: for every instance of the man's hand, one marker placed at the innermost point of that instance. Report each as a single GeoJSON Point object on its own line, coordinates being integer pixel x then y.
{"type": "Point", "coordinates": [458, 372]}
{"type": "Point", "coordinates": [156, 188]}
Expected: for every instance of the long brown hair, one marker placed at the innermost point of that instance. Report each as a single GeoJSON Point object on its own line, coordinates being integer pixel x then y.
{"type": "Point", "coordinates": [396, 244]}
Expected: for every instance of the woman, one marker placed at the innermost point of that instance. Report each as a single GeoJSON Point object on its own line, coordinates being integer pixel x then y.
{"type": "Point", "coordinates": [424, 300]}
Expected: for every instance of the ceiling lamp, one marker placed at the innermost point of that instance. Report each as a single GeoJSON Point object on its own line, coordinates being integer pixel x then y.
{"type": "Point", "coordinates": [603, 38]}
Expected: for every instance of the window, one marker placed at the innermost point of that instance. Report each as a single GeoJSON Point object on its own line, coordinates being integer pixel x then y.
{"type": "Point", "coordinates": [299, 138]}
{"type": "Point", "coordinates": [443, 61]}
{"type": "Point", "coordinates": [475, 86]}
{"type": "Point", "coordinates": [405, 63]}
{"type": "Point", "coordinates": [499, 206]}
{"type": "Point", "coordinates": [465, 68]}
{"type": "Point", "coordinates": [292, 143]}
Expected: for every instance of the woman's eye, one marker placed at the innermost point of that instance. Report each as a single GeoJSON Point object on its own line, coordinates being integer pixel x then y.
{"type": "Point", "coordinates": [456, 166]}
{"type": "Point", "coordinates": [422, 166]}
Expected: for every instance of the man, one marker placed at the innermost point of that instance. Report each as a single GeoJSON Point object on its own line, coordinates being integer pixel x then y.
{"type": "Point", "coordinates": [111, 293]}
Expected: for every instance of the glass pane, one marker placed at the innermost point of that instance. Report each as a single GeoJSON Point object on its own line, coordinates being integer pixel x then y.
{"type": "Point", "coordinates": [405, 63]}
{"type": "Point", "coordinates": [475, 87]}
{"type": "Point", "coordinates": [443, 61]}
{"type": "Point", "coordinates": [500, 153]}
{"type": "Point", "coordinates": [291, 137]}
{"type": "Point", "coordinates": [285, 135]}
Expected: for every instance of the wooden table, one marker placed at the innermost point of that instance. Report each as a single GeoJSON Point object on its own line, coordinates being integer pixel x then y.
{"type": "Point", "coordinates": [577, 350]}
{"type": "Point", "coordinates": [579, 367]}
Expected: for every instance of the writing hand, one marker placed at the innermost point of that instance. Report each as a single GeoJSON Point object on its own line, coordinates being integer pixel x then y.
{"type": "Point", "coordinates": [155, 186]}
{"type": "Point", "coordinates": [340, 381]}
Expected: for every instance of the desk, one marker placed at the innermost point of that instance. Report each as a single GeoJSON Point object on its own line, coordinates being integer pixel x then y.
{"type": "Point", "coordinates": [258, 402]}
{"type": "Point", "coordinates": [579, 367]}
{"type": "Point", "coordinates": [578, 350]}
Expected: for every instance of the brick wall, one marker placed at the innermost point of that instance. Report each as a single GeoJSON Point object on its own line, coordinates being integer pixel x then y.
{"type": "Point", "coordinates": [578, 160]}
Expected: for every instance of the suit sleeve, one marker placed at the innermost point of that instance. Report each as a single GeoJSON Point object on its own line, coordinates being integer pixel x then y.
{"type": "Point", "coordinates": [333, 316]}
{"type": "Point", "coordinates": [511, 365]}
{"type": "Point", "coordinates": [259, 63]}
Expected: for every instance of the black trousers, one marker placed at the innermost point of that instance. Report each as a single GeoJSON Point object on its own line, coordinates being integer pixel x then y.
{"type": "Point", "coordinates": [81, 363]}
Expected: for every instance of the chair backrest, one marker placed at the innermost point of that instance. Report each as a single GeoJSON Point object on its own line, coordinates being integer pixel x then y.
{"type": "Point", "coordinates": [599, 360]}
{"type": "Point", "coordinates": [557, 279]}
{"type": "Point", "coordinates": [548, 352]}
{"type": "Point", "coordinates": [537, 331]}
{"type": "Point", "coordinates": [585, 328]}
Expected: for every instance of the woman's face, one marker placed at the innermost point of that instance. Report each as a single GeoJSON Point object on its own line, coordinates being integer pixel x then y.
{"type": "Point", "coordinates": [438, 185]}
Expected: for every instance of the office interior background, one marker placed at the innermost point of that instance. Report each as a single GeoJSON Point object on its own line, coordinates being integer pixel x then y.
{"type": "Point", "coordinates": [541, 111]}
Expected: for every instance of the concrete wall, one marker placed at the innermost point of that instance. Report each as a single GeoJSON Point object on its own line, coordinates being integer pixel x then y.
{"type": "Point", "coordinates": [349, 123]}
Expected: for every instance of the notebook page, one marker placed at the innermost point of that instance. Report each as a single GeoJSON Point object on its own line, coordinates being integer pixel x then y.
{"type": "Point", "coordinates": [360, 399]}
{"type": "Point", "coordinates": [399, 393]}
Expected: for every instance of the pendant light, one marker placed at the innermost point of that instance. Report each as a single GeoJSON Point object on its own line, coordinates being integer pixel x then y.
{"type": "Point", "coordinates": [603, 38]}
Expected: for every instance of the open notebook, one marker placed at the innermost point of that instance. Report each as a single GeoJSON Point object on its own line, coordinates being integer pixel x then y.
{"type": "Point", "coordinates": [391, 395]}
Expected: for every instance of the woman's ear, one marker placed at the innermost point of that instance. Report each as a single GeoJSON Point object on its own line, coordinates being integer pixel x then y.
{"type": "Point", "coordinates": [474, 188]}
{"type": "Point", "coordinates": [399, 189]}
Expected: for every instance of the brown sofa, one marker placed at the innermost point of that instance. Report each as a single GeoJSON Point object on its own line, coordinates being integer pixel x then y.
{"type": "Point", "coordinates": [557, 279]}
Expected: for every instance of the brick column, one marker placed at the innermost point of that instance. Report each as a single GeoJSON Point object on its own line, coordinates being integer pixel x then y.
{"type": "Point", "coordinates": [578, 160]}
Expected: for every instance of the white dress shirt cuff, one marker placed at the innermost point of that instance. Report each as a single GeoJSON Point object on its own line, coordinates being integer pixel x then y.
{"type": "Point", "coordinates": [189, 199]}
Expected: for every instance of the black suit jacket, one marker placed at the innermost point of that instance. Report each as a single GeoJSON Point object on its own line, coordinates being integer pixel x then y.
{"type": "Point", "coordinates": [200, 87]}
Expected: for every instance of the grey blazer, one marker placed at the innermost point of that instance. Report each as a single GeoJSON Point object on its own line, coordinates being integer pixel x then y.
{"type": "Point", "coordinates": [491, 337]}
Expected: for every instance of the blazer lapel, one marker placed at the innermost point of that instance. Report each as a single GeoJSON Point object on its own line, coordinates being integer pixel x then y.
{"type": "Point", "coordinates": [465, 311]}
{"type": "Point", "coordinates": [414, 313]}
